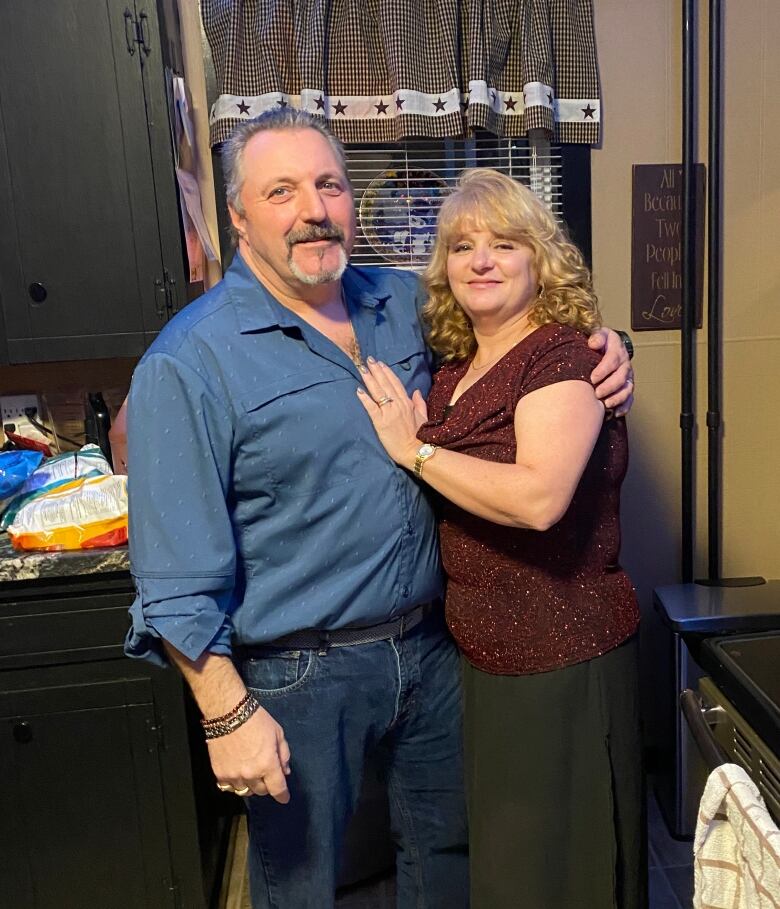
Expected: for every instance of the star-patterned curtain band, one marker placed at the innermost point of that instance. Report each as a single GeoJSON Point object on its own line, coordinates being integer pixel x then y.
{"type": "Point", "coordinates": [388, 69]}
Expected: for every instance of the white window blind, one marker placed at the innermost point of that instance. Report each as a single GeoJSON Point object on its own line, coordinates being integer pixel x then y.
{"type": "Point", "coordinates": [399, 189]}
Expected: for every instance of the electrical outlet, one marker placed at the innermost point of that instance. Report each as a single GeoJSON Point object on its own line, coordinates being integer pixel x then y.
{"type": "Point", "coordinates": [12, 407]}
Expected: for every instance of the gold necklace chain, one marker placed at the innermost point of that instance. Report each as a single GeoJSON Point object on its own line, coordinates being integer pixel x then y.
{"type": "Point", "coordinates": [526, 331]}
{"type": "Point", "coordinates": [491, 362]}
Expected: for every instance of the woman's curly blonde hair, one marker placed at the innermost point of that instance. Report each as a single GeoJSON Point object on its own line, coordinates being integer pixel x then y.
{"type": "Point", "coordinates": [488, 200]}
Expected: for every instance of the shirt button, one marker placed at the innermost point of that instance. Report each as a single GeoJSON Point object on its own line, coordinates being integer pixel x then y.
{"type": "Point", "coordinates": [405, 365]}
{"type": "Point", "coordinates": [405, 591]}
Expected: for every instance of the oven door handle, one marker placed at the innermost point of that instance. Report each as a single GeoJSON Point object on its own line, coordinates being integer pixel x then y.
{"type": "Point", "coordinates": [699, 719]}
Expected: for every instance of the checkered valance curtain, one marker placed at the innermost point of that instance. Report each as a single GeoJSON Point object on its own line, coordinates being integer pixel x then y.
{"type": "Point", "coordinates": [383, 70]}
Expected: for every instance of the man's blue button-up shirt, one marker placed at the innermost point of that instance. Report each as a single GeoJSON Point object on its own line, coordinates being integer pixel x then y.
{"type": "Point", "coordinates": [261, 501]}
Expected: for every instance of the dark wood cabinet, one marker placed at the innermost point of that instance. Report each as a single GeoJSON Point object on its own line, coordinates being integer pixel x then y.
{"type": "Point", "coordinates": [90, 247]}
{"type": "Point", "coordinates": [102, 805]}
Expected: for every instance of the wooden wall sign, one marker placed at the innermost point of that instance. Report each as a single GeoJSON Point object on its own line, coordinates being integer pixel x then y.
{"type": "Point", "coordinates": [656, 249]}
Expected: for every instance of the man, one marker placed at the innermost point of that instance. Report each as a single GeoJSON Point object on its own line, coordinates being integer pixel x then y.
{"type": "Point", "coordinates": [282, 562]}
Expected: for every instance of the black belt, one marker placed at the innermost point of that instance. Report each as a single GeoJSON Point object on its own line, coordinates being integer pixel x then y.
{"type": "Point", "coordinates": [313, 639]}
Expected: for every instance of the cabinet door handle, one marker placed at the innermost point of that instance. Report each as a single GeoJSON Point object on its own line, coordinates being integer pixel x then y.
{"type": "Point", "coordinates": [162, 298]}
{"type": "Point", "coordinates": [23, 733]}
{"type": "Point", "coordinates": [129, 37]}
{"type": "Point", "coordinates": [142, 29]}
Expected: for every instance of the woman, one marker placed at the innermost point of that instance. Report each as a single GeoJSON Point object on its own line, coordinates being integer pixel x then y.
{"type": "Point", "coordinates": [528, 467]}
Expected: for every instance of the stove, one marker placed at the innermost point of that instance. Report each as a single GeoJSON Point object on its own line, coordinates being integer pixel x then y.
{"type": "Point", "coordinates": [690, 615]}
{"type": "Point", "coordinates": [744, 683]}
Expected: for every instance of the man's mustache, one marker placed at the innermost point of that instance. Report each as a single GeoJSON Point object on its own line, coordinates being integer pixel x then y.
{"type": "Point", "coordinates": [315, 232]}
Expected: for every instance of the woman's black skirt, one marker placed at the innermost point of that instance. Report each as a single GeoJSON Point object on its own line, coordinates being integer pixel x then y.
{"type": "Point", "coordinates": [555, 786]}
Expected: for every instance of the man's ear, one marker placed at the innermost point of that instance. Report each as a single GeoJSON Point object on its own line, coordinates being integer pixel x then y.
{"type": "Point", "coordinates": [238, 222]}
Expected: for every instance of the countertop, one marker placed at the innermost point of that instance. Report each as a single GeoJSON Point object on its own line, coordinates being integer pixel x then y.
{"type": "Point", "coordinates": [32, 566]}
{"type": "Point", "coordinates": [696, 608]}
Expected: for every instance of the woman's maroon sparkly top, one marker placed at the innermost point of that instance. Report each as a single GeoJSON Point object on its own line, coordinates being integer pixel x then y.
{"type": "Point", "coordinates": [524, 601]}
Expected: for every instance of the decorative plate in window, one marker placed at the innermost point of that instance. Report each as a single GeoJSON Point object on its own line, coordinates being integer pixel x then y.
{"type": "Point", "coordinates": [398, 214]}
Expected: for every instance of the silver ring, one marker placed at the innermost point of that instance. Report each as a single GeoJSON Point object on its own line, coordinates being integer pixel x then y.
{"type": "Point", "coordinates": [245, 790]}
{"type": "Point", "coordinates": [384, 400]}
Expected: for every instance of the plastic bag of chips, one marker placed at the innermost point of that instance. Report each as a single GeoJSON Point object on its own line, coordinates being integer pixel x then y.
{"type": "Point", "coordinates": [86, 513]}
{"type": "Point", "coordinates": [88, 461]}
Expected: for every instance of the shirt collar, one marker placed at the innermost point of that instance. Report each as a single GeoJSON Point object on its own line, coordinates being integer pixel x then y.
{"type": "Point", "coordinates": [258, 310]}
{"type": "Point", "coordinates": [256, 307]}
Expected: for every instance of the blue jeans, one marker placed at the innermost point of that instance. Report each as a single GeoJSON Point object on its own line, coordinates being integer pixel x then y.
{"type": "Point", "coordinates": [399, 698]}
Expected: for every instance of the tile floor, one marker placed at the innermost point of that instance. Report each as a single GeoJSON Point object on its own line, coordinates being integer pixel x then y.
{"type": "Point", "coordinates": [670, 875]}
{"type": "Point", "coordinates": [670, 864]}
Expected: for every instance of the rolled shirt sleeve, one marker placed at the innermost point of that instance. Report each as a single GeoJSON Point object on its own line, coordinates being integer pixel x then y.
{"type": "Point", "coordinates": [182, 546]}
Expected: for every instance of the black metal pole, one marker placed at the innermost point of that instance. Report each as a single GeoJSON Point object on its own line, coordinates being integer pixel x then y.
{"type": "Point", "coordinates": [687, 416]}
{"type": "Point", "coordinates": [714, 320]}
{"type": "Point", "coordinates": [714, 272]}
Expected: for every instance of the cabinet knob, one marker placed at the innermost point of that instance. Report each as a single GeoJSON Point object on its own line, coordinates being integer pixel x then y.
{"type": "Point", "coordinates": [23, 733]}
{"type": "Point", "coordinates": [38, 292]}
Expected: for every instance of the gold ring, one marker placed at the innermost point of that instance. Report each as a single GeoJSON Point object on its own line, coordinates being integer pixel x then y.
{"type": "Point", "coordinates": [243, 791]}
{"type": "Point", "coordinates": [384, 400]}
{"type": "Point", "coordinates": [225, 787]}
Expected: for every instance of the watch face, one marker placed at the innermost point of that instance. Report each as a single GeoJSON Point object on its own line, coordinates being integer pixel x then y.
{"type": "Point", "coordinates": [425, 451]}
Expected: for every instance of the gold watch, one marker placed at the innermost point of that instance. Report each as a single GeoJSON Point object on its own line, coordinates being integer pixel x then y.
{"type": "Point", "coordinates": [425, 451]}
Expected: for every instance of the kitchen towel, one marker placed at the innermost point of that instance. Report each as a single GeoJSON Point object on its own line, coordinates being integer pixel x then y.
{"type": "Point", "coordinates": [736, 847]}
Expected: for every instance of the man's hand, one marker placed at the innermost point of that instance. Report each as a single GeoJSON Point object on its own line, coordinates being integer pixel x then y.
{"type": "Point", "coordinates": [613, 377]}
{"type": "Point", "coordinates": [256, 755]}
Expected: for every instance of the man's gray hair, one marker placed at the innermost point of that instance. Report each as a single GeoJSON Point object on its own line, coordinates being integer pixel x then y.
{"type": "Point", "coordinates": [283, 119]}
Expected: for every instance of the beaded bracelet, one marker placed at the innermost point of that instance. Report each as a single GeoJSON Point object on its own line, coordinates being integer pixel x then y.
{"type": "Point", "coordinates": [214, 729]}
{"type": "Point", "coordinates": [226, 716]}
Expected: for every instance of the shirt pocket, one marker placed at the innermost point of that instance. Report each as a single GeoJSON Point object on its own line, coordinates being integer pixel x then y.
{"type": "Point", "coordinates": [410, 364]}
{"type": "Point", "coordinates": [303, 431]}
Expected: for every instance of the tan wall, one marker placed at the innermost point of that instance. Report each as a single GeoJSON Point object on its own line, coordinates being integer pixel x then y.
{"type": "Point", "coordinates": [640, 61]}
